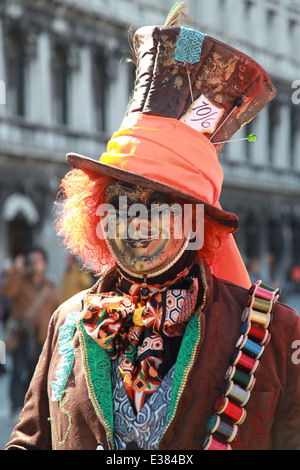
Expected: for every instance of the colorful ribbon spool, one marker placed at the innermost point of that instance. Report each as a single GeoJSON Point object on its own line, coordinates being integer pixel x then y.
{"type": "Point", "coordinates": [237, 393]}
{"type": "Point", "coordinates": [241, 378]}
{"type": "Point", "coordinates": [264, 290]}
{"type": "Point", "coordinates": [215, 425]}
{"type": "Point", "coordinates": [249, 347]}
{"type": "Point", "coordinates": [263, 320]}
{"type": "Point", "coordinates": [240, 359]}
{"type": "Point", "coordinates": [224, 406]}
{"type": "Point", "coordinates": [260, 305]}
{"type": "Point", "coordinates": [264, 294]}
{"type": "Point", "coordinates": [210, 443]}
{"type": "Point", "coordinates": [261, 335]}
{"type": "Point", "coordinates": [265, 287]}
{"type": "Point", "coordinates": [262, 297]}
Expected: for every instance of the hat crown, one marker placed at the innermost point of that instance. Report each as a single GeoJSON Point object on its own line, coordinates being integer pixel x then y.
{"type": "Point", "coordinates": [187, 75]}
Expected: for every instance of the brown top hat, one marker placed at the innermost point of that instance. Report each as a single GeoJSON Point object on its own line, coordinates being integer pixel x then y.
{"type": "Point", "coordinates": [191, 92]}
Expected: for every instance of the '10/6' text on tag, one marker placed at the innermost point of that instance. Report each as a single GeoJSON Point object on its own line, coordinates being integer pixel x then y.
{"type": "Point", "coordinates": [202, 115]}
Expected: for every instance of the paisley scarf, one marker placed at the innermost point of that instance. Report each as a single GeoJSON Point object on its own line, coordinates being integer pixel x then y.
{"type": "Point", "coordinates": [136, 331]}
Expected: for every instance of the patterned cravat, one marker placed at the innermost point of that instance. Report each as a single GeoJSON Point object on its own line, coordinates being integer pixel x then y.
{"type": "Point", "coordinates": [134, 330]}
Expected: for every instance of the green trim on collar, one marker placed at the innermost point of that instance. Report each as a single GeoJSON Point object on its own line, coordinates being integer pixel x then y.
{"type": "Point", "coordinates": [185, 360]}
{"type": "Point", "coordinates": [97, 368]}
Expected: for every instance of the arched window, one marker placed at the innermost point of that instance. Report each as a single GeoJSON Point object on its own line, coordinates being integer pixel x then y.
{"type": "Point", "coordinates": [20, 216]}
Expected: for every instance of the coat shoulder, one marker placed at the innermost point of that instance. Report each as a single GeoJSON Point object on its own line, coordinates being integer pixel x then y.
{"type": "Point", "coordinates": [283, 314]}
{"type": "Point", "coordinates": [74, 304]}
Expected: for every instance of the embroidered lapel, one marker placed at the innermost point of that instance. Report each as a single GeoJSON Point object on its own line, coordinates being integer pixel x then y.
{"type": "Point", "coordinates": [184, 363]}
{"type": "Point", "coordinates": [66, 349]}
{"type": "Point", "coordinates": [97, 368]}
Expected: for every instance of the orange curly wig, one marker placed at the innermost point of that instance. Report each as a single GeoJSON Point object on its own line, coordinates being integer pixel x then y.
{"type": "Point", "coordinates": [80, 195]}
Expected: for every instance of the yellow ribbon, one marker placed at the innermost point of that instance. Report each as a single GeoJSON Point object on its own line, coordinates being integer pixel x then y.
{"type": "Point", "coordinates": [137, 315]}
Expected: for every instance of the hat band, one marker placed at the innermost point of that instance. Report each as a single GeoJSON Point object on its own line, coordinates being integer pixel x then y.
{"type": "Point", "coordinates": [168, 152]}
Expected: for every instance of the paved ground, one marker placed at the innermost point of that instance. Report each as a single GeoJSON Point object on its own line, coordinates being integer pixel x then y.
{"type": "Point", "coordinates": [6, 424]}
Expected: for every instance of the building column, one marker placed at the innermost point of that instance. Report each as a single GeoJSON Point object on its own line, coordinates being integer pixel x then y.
{"type": "Point", "coordinates": [255, 22]}
{"type": "Point", "coordinates": [2, 67]}
{"type": "Point", "coordinates": [236, 150]}
{"type": "Point", "coordinates": [281, 136]}
{"type": "Point", "coordinates": [259, 149]}
{"type": "Point", "coordinates": [282, 45]}
{"type": "Point", "coordinates": [118, 96]}
{"type": "Point", "coordinates": [296, 150]}
{"type": "Point", "coordinates": [236, 20]}
{"type": "Point", "coordinates": [81, 99]}
{"type": "Point", "coordinates": [43, 82]}
{"type": "Point", "coordinates": [32, 104]}
{"type": "Point", "coordinates": [209, 16]}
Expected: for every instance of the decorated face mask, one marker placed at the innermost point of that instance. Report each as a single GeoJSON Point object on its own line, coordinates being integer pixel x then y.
{"type": "Point", "coordinates": [143, 229]}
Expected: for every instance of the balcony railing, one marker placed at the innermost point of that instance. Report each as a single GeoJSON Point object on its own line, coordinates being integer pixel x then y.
{"type": "Point", "coordinates": [28, 139]}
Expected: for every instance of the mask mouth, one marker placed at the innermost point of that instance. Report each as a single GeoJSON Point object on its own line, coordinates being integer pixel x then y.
{"type": "Point", "coordinates": [149, 235]}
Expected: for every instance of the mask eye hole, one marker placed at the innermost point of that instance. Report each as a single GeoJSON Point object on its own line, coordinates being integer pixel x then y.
{"type": "Point", "coordinates": [158, 199]}
{"type": "Point", "coordinates": [120, 204]}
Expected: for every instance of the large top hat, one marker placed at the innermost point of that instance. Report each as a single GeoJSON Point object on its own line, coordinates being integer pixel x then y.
{"type": "Point", "coordinates": [191, 92]}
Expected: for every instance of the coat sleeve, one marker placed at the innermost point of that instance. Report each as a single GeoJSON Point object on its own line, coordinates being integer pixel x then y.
{"type": "Point", "coordinates": [286, 434]}
{"type": "Point", "coordinates": [33, 429]}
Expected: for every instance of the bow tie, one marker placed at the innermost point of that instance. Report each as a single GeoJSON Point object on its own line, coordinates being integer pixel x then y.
{"type": "Point", "coordinates": [133, 331]}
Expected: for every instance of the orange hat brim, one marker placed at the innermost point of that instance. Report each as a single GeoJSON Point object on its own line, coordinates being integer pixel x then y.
{"type": "Point", "coordinates": [165, 155]}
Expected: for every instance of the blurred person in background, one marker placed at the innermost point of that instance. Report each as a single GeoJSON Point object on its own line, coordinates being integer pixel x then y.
{"type": "Point", "coordinates": [4, 304]}
{"type": "Point", "coordinates": [33, 298]}
{"type": "Point", "coordinates": [74, 279]}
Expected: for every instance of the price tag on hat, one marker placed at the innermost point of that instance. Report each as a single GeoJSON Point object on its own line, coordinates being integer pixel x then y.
{"type": "Point", "coordinates": [202, 115]}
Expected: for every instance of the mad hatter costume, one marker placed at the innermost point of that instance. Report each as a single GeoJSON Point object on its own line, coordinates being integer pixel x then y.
{"type": "Point", "coordinates": [172, 349]}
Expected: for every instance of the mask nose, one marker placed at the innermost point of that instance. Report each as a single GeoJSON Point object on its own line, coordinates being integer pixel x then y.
{"type": "Point", "coordinates": [139, 228]}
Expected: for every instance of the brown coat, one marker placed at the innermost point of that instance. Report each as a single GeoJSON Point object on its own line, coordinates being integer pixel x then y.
{"type": "Point", "coordinates": [21, 289]}
{"type": "Point", "coordinates": [273, 413]}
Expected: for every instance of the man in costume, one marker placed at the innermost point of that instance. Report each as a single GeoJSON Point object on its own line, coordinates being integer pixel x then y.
{"type": "Point", "coordinates": [173, 349]}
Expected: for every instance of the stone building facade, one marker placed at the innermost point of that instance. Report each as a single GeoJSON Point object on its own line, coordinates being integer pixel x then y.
{"type": "Point", "coordinates": [67, 88]}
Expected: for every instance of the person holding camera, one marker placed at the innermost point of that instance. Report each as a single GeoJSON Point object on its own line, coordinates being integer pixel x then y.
{"type": "Point", "coordinates": [33, 297]}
